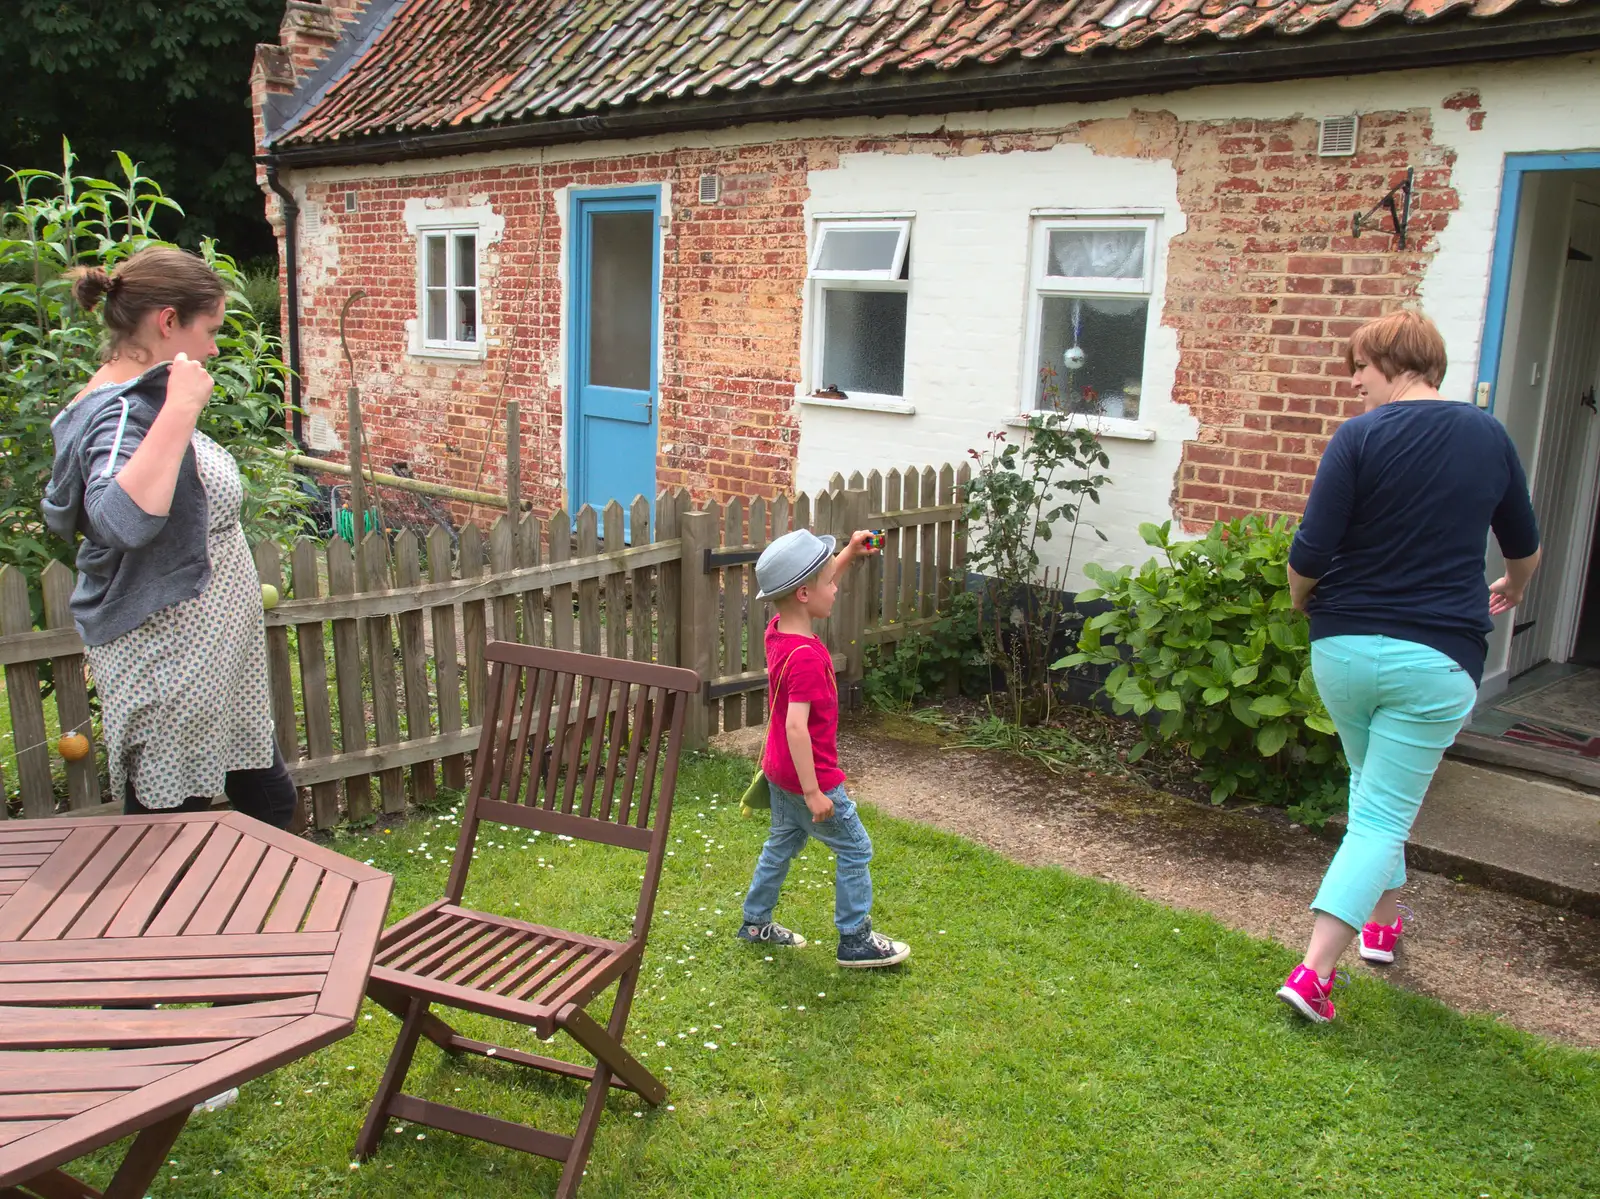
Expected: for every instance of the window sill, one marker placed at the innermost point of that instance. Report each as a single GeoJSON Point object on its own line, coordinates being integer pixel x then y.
{"type": "Point", "coordinates": [449, 354]}
{"type": "Point", "coordinates": [862, 404]}
{"type": "Point", "coordinates": [1117, 427]}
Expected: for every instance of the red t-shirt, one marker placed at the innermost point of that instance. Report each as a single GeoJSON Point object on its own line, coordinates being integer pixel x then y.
{"type": "Point", "coordinates": [806, 679]}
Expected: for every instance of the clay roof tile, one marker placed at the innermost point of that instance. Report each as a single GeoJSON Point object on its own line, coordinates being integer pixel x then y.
{"type": "Point", "coordinates": [437, 63]}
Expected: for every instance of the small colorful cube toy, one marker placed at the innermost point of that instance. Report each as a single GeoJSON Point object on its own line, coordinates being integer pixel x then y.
{"type": "Point", "coordinates": [876, 539]}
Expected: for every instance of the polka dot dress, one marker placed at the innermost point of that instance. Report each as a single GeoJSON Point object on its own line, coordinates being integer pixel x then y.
{"type": "Point", "coordinates": [184, 697]}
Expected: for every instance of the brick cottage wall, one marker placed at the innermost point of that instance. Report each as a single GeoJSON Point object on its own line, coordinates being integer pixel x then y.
{"type": "Point", "coordinates": [730, 316]}
{"type": "Point", "coordinates": [1262, 287]}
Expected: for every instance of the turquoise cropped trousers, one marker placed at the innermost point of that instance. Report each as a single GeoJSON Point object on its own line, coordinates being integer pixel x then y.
{"type": "Point", "coordinates": [1398, 706]}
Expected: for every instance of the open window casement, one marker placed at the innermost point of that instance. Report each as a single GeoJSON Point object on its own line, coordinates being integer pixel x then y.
{"type": "Point", "coordinates": [863, 250]}
{"type": "Point", "coordinates": [860, 271]}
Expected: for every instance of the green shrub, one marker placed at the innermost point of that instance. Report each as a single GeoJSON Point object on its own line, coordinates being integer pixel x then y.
{"type": "Point", "coordinates": [1018, 497]}
{"type": "Point", "coordinates": [1205, 637]}
{"type": "Point", "coordinates": [49, 348]}
{"type": "Point", "coordinates": [948, 657]}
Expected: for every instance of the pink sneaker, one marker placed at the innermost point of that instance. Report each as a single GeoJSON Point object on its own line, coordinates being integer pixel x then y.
{"type": "Point", "coordinates": [1378, 940]}
{"type": "Point", "coordinates": [1308, 994]}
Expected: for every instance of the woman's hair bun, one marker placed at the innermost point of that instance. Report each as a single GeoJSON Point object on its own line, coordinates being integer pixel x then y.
{"type": "Point", "coordinates": [89, 284]}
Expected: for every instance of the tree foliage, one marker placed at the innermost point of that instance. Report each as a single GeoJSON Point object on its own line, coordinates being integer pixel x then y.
{"type": "Point", "coordinates": [166, 81]}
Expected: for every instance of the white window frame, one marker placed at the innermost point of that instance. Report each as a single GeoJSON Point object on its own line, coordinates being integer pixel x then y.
{"type": "Point", "coordinates": [451, 234]}
{"type": "Point", "coordinates": [1042, 284]}
{"type": "Point", "coordinates": [430, 217]}
{"type": "Point", "coordinates": [822, 282]}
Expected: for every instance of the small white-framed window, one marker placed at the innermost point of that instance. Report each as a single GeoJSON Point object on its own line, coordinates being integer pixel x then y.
{"type": "Point", "coordinates": [1090, 312]}
{"type": "Point", "coordinates": [860, 272]}
{"type": "Point", "coordinates": [448, 287]}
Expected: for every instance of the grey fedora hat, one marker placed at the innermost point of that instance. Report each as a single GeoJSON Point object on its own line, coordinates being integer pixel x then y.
{"type": "Point", "coordinates": [790, 561]}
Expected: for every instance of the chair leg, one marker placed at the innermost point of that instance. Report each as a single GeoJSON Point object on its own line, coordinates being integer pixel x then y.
{"type": "Point", "coordinates": [608, 1039]}
{"type": "Point", "coordinates": [582, 1140]}
{"type": "Point", "coordinates": [608, 1051]}
{"type": "Point", "coordinates": [606, 1043]}
{"type": "Point", "coordinates": [394, 1076]}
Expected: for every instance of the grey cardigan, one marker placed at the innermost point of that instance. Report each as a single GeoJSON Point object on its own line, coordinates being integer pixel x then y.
{"type": "Point", "coordinates": [131, 564]}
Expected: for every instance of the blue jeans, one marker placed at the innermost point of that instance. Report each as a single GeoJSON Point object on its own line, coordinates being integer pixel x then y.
{"type": "Point", "coordinates": [842, 832]}
{"type": "Point", "coordinates": [1398, 706]}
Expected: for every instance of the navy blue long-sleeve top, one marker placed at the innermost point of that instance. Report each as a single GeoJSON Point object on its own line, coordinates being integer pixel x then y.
{"type": "Point", "coordinates": [1396, 529]}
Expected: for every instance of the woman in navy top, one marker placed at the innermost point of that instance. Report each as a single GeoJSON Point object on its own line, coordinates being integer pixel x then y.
{"type": "Point", "coordinates": [1389, 562]}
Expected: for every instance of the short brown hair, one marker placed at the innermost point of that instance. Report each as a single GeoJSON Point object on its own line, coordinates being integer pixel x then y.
{"type": "Point", "coordinates": [147, 281]}
{"type": "Point", "coordinates": [1399, 343]}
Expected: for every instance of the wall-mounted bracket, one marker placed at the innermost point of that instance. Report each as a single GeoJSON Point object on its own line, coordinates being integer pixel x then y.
{"type": "Point", "coordinates": [1398, 202]}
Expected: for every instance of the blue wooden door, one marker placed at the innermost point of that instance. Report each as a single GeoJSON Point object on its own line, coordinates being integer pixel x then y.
{"type": "Point", "coordinates": [613, 326]}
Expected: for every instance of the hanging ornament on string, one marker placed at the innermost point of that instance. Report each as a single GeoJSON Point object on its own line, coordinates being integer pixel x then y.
{"type": "Point", "coordinates": [1074, 358]}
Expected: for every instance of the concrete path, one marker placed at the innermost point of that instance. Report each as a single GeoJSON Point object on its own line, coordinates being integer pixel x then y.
{"type": "Point", "coordinates": [1512, 831]}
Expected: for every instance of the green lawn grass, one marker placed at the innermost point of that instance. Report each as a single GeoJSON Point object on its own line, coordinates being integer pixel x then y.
{"type": "Point", "coordinates": [1050, 1036]}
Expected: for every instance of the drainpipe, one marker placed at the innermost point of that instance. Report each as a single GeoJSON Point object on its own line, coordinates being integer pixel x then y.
{"type": "Point", "coordinates": [291, 263]}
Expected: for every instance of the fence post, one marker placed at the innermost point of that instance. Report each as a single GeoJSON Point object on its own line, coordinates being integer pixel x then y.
{"type": "Point", "coordinates": [669, 581]}
{"type": "Point", "coordinates": [29, 747]}
{"type": "Point", "coordinates": [72, 690]}
{"type": "Point", "coordinates": [697, 615]}
{"type": "Point", "coordinates": [850, 512]}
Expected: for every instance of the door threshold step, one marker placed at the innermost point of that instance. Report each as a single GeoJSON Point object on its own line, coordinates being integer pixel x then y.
{"type": "Point", "coordinates": [1497, 751]}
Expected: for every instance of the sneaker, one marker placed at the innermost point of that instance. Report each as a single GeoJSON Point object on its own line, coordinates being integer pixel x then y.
{"type": "Point", "coordinates": [770, 933]}
{"type": "Point", "coordinates": [1378, 940]}
{"type": "Point", "coordinates": [1308, 994]}
{"type": "Point", "coordinates": [867, 948]}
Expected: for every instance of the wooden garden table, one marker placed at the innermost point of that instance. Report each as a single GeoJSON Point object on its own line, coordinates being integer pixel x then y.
{"type": "Point", "coordinates": [106, 922]}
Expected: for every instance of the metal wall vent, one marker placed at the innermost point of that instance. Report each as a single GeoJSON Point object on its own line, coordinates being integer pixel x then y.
{"type": "Point", "coordinates": [1338, 136]}
{"type": "Point", "coordinates": [710, 189]}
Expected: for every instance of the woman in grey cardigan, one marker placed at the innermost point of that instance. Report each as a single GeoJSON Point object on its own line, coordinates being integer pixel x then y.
{"type": "Point", "coordinates": [167, 601]}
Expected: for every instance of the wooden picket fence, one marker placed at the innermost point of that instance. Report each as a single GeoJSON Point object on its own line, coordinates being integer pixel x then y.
{"type": "Point", "coordinates": [376, 655]}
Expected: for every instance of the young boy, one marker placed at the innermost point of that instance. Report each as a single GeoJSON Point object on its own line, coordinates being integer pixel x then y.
{"type": "Point", "coordinates": [801, 760]}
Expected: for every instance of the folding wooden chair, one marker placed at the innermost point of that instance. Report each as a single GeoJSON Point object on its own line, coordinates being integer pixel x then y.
{"type": "Point", "coordinates": [575, 745]}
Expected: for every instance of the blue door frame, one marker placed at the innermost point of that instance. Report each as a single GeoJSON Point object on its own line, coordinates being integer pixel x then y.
{"type": "Point", "coordinates": [1505, 242]}
{"type": "Point", "coordinates": [611, 444]}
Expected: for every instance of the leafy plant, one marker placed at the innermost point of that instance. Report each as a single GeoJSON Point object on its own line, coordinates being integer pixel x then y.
{"type": "Point", "coordinates": [49, 348]}
{"type": "Point", "coordinates": [945, 658]}
{"type": "Point", "coordinates": [1205, 644]}
{"type": "Point", "coordinates": [1019, 495]}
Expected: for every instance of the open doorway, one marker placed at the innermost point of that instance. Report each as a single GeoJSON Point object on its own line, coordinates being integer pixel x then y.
{"type": "Point", "coordinates": [1544, 696]}
{"type": "Point", "coordinates": [1586, 648]}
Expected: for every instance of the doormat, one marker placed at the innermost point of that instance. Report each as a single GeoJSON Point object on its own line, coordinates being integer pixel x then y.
{"type": "Point", "coordinates": [1554, 739]}
{"type": "Point", "coordinates": [1571, 703]}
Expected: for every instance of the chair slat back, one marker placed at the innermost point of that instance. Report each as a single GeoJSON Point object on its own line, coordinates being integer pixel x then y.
{"type": "Point", "coordinates": [578, 745]}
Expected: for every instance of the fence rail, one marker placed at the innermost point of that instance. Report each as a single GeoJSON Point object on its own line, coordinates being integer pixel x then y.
{"type": "Point", "coordinates": [376, 654]}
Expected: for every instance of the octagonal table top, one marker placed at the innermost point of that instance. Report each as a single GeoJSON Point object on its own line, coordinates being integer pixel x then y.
{"type": "Point", "coordinates": [106, 922]}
